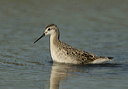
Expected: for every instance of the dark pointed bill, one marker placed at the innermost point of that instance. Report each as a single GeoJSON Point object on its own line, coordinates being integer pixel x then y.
{"type": "Point", "coordinates": [39, 38]}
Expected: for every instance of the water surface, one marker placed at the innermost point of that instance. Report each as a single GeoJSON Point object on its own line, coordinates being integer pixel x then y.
{"type": "Point", "coordinates": [99, 27]}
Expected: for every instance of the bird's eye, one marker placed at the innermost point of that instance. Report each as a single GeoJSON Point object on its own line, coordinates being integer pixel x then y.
{"type": "Point", "coordinates": [48, 29]}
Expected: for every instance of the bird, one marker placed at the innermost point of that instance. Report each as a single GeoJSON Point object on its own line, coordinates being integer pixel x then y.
{"type": "Point", "coordinates": [64, 53]}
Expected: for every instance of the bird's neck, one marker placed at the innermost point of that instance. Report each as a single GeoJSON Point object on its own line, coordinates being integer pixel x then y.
{"type": "Point", "coordinates": [54, 39]}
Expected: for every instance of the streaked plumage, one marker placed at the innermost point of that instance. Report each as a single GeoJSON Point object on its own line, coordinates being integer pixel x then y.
{"type": "Point", "coordinates": [64, 53]}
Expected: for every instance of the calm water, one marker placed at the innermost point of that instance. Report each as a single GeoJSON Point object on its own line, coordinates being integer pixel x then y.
{"type": "Point", "coordinates": [97, 26]}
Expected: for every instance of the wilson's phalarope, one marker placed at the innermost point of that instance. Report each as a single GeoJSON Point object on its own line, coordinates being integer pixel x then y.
{"type": "Point", "coordinates": [64, 53]}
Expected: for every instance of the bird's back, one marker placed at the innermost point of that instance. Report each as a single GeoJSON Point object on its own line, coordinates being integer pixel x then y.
{"type": "Point", "coordinates": [80, 56]}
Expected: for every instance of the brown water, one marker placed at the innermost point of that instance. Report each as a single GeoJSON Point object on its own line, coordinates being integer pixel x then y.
{"type": "Point", "coordinates": [96, 26]}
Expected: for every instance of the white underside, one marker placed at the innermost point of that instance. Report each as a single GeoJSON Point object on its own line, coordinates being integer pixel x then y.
{"type": "Point", "coordinates": [60, 55]}
{"type": "Point", "coordinates": [100, 60]}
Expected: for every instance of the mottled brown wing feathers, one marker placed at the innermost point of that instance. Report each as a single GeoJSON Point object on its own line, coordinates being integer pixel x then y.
{"type": "Point", "coordinates": [82, 56]}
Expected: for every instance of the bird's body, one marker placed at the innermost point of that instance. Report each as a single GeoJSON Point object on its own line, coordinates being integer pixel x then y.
{"type": "Point", "coordinates": [64, 53]}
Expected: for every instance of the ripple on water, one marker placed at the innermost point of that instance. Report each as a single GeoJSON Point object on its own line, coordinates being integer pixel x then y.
{"type": "Point", "coordinates": [99, 27]}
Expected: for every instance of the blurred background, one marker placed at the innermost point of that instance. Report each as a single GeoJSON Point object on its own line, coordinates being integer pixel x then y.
{"type": "Point", "coordinates": [96, 26]}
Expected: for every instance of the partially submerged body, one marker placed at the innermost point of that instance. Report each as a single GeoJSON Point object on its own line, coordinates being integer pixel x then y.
{"type": "Point", "coordinates": [63, 53]}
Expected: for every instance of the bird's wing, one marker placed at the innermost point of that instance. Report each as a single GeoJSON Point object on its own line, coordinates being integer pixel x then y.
{"type": "Point", "coordinates": [81, 56]}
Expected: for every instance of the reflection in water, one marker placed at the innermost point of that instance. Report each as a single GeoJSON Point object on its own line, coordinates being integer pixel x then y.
{"type": "Point", "coordinates": [60, 72]}
{"type": "Point", "coordinates": [98, 26]}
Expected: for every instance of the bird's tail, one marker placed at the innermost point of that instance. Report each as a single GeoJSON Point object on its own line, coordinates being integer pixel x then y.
{"type": "Point", "coordinates": [111, 58]}
{"type": "Point", "coordinates": [102, 60]}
